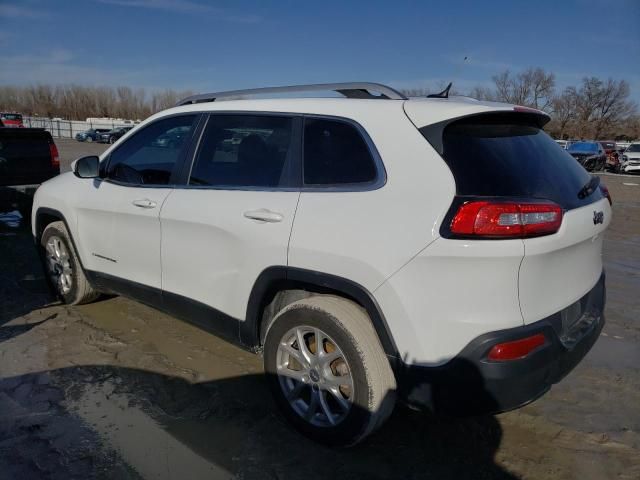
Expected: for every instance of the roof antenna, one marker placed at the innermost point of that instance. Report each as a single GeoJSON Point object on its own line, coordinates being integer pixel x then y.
{"type": "Point", "coordinates": [443, 94]}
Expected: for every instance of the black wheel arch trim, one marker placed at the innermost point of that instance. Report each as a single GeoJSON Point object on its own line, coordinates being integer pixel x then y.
{"type": "Point", "coordinates": [278, 278]}
{"type": "Point", "coordinates": [40, 229]}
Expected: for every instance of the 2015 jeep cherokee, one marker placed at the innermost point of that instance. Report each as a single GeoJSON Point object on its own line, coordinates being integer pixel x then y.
{"type": "Point", "coordinates": [442, 251]}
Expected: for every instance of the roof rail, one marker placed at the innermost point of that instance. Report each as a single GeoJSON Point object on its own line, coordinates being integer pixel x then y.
{"type": "Point", "coordinates": [349, 90]}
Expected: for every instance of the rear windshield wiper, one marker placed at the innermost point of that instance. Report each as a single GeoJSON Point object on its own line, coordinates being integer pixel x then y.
{"type": "Point", "coordinates": [589, 188]}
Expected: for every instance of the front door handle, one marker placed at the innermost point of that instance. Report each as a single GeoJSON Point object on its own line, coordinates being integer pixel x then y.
{"type": "Point", "coordinates": [264, 215]}
{"type": "Point", "coordinates": [144, 203]}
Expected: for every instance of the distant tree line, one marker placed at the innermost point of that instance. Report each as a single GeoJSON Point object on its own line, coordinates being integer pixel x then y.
{"type": "Point", "coordinates": [594, 109]}
{"type": "Point", "coordinates": [77, 102]}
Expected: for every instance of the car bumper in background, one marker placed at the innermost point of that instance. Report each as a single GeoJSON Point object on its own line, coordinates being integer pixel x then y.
{"type": "Point", "coordinates": [471, 384]}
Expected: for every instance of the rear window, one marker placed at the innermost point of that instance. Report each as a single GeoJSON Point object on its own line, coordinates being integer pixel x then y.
{"type": "Point", "coordinates": [504, 156]}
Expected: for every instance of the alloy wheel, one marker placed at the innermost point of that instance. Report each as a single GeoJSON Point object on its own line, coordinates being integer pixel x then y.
{"type": "Point", "coordinates": [59, 264]}
{"type": "Point", "coordinates": [314, 376]}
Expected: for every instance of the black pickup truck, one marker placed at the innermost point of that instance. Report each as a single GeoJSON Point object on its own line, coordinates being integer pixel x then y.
{"type": "Point", "coordinates": [28, 157]}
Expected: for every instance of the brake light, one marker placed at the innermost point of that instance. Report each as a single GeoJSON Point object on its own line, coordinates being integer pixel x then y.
{"type": "Point", "coordinates": [55, 158]}
{"type": "Point", "coordinates": [516, 349]}
{"type": "Point", "coordinates": [494, 219]}
{"type": "Point", "coordinates": [605, 192]}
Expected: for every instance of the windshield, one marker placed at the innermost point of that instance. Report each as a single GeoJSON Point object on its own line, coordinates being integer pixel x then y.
{"type": "Point", "coordinates": [583, 147]}
{"type": "Point", "coordinates": [11, 116]}
{"type": "Point", "coordinates": [608, 145]}
{"type": "Point", "coordinates": [633, 148]}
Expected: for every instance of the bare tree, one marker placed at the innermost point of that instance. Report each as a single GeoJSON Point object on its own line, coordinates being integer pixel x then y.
{"type": "Point", "coordinates": [614, 107]}
{"type": "Point", "coordinates": [602, 107]}
{"type": "Point", "coordinates": [563, 107]}
{"type": "Point", "coordinates": [482, 93]}
{"type": "Point", "coordinates": [594, 109]}
{"type": "Point", "coordinates": [532, 88]}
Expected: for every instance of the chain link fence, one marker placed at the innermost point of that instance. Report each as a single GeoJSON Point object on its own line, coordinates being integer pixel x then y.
{"type": "Point", "coordinates": [70, 128]}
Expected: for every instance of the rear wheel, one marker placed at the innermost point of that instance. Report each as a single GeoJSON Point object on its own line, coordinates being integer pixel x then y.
{"type": "Point", "coordinates": [112, 140]}
{"type": "Point", "coordinates": [63, 268]}
{"type": "Point", "coordinates": [327, 370]}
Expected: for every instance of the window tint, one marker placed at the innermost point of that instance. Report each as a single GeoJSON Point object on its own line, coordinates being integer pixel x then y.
{"type": "Point", "coordinates": [149, 156]}
{"type": "Point", "coordinates": [498, 156]}
{"type": "Point", "coordinates": [245, 151]}
{"type": "Point", "coordinates": [335, 153]}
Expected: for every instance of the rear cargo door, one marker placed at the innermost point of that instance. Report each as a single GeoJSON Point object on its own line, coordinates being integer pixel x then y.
{"type": "Point", "coordinates": [25, 157]}
{"type": "Point", "coordinates": [559, 269]}
{"type": "Point", "coordinates": [507, 156]}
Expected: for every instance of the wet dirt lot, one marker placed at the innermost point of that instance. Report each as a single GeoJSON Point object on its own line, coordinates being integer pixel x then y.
{"type": "Point", "coordinates": [118, 390]}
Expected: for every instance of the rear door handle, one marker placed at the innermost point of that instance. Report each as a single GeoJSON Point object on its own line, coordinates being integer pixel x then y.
{"type": "Point", "coordinates": [264, 215]}
{"type": "Point", "coordinates": [144, 203]}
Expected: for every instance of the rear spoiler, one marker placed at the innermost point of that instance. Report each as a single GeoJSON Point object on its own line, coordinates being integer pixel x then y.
{"type": "Point", "coordinates": [520, 115]}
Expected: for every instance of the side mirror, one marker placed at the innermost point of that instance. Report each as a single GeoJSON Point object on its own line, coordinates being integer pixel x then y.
{"type": "Point", "coordinates": [87, 167]}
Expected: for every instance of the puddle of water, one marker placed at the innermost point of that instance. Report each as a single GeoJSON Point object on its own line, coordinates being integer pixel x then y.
{"type": "Point", "coordinates": [140, 441]}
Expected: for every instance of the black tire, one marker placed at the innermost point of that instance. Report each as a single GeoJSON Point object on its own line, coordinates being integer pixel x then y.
{"type": "Point", "coordinates": [348, 325]}
{"type": "Point", "coordinates": [80, 290]}
{"type": "Point", "coordinates": [89, 140]}
{"type": "Point", "coordinates": [112, 140]}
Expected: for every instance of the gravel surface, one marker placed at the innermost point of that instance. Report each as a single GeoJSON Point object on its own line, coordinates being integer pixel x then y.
{"type": "Point", "coordinates": [118, 390]}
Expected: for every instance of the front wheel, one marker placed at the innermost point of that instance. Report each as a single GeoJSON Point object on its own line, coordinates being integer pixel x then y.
{"type": "Point", "coordinates": [62, 267]}
{"type": "Point", "coordinates": [327, 370]}
{"type": "Point", "coordinates": [112, 140]}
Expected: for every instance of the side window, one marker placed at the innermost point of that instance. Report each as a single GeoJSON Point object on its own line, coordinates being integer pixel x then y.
{"type": "Point", "coordinates": [335, 153]}
{"type": "Point", "coordinates": [245, 151]}
{"type": "Point", "coordinates": [149, 156]}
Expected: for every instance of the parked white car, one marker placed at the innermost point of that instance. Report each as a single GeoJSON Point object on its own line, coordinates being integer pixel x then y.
{"type": "Point", "coordinates": [442, 251]}
{"type": "Point", "coordinates": [631, 159]}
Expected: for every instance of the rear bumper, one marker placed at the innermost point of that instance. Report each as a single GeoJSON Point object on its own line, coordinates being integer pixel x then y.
{"type": "Point", "coordinates": [470, 384]}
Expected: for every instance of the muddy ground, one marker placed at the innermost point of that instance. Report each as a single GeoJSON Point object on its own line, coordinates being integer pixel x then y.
{"type": "Point", "coordinates": [117, 390]}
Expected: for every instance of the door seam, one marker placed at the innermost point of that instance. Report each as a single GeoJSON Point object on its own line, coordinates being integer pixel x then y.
{"type": "Point", "coordinates": [160, 227]}
{"type": "Point", "coordinates": [293, 221]}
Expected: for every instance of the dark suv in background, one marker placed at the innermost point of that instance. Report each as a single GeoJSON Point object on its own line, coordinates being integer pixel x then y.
{"type": "Point", "coordinates": [112, 135]}
{"type": "Point", "coordinates": [589, 154]}
{"type": "Point", "coordinates": [91, 135]}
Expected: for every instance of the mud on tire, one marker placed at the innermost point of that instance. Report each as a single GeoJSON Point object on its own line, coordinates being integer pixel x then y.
{"type": "Point", "coordinates": [339, 321]}
{"type": "Point", "coordinates": [60, 258]}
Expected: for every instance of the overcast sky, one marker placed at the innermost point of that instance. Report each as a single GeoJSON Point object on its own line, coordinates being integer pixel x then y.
{"type": "Point", "coordinates": [205, 45]}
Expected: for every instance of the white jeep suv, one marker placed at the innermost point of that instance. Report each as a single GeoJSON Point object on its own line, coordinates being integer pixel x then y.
{"type": "Point", "coordinates": [440, 251]}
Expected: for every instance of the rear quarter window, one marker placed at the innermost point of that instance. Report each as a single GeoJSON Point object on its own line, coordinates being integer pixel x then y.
{"type": "Point", "coordinates": [336, 153]}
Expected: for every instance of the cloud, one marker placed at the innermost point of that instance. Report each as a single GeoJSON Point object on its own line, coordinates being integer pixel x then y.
{"type": "Point", "coordinates": [185, 6]}
{"type": "Point", "coordinates": [9, 10]}
{"type": "Point", "coordinates": [54, 66]}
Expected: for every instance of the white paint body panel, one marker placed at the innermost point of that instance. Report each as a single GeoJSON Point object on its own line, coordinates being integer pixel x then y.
{"type": "Point", "coordinates": [449, 294]}
{"type": "Point", "coordinates": [111, 226]}
{"type": "Point", "coordinates": [559, 269]}
{"type": "Point", "coordinates": [211, 253]}
{"type": "Point", "coordinates": [366, 236]}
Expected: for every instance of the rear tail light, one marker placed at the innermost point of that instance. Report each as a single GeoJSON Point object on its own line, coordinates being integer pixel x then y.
{"type": "Point", "coordinates": [605, 192]}
{"type": "Point", "coordinates": [516, 349]}
{"type": "Point", "coordinates": [55, 158]}
{"type": "Point", "coordinates": [495, 219]}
